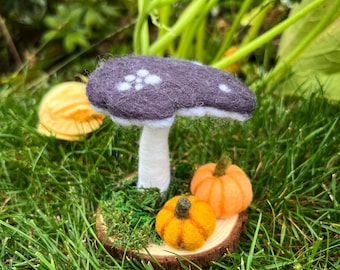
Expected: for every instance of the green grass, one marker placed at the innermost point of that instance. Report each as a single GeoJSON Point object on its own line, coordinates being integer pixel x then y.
{"type": "Point", "coordinates": [50, 189]}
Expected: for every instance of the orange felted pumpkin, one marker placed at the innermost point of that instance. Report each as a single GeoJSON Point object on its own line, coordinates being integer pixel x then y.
{"type": "Point", "coordinates": [224, 186]}
{"type": "Point", "coordinates": [185, 222]}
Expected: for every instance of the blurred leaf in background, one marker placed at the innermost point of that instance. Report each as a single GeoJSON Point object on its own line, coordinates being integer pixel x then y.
{"type": "Point", "coordinates": [27, 12]}
{"type": "Point", "coordinates": [20, 22]}
{"type": "Point", "coordinates": [79, 22]}
{"type": "Point", "coordinates": [319, 63]}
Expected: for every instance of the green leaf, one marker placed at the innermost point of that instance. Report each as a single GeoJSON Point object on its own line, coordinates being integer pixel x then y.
{"type": "Point", "coordinates": [109, 11]}
{"type": "Point", "coordinates": [319, 63]}
{"type": "Point", "coordinates": [70, 43]}
{"type": "Point", "coordinates": [93, 18]}
{"type": "Point", "coordinates": [72, 40]}
{"type": "Point", "coordinates": [52, 22]}
{"type": "Point", "coordinates": [50, 35]}
{"type": "Point", "coordinates": [324, 53]}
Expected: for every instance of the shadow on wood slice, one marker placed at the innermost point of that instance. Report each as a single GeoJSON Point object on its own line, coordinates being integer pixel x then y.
{"type": "Point", "coordinates": [224, 240]}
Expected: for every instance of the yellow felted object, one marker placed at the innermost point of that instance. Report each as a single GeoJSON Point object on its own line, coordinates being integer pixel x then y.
{"type": "Point", "coordinates": [233, 68]}
{"type": "Point", "coordinates": [185, 222]}
{"type": "Point", "coordinates": [224, 186]}
{"type": "Point", "coordinates": [65, 112]}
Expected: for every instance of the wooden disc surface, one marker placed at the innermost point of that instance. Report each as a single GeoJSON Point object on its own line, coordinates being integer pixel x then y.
{"type": "Point", "coordinates": [225, 239]}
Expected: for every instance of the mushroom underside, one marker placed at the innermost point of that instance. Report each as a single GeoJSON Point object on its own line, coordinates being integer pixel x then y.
{"type": "Point", "coordinates": [168, 121]}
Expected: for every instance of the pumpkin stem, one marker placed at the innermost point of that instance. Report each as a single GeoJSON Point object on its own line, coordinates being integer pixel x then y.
{"type": "Point", "coordinates": [222, 165]}
{"type": "Point", "coordinates": [182, 208]}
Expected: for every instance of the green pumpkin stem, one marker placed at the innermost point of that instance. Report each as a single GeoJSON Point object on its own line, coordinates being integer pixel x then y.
{"type": "Point", "coordinates": [182, 208]}
{"type": "Point", "coordinates": [222, 165]}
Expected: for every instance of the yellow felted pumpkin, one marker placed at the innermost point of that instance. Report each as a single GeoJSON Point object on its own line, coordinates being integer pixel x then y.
{"type": "Point", "coordinates": [224, 186]}
{"type": "Point", "coordinates": [65, 112]}
{"type": "Point", "coordinates": [185, 222]}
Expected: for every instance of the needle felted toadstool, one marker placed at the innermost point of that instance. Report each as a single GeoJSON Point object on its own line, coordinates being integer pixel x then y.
{"type": "Point", "coordinates": [150, 91]}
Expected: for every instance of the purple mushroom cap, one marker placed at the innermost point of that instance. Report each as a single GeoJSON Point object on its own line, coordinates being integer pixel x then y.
{"type": "Point", "coordinates": [150, 91]}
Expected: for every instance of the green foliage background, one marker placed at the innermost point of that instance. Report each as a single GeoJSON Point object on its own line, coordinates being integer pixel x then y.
{"type": "Point", "coordinates": [50, 189]}
{"type": "Point", "coordinates": [319, 63]}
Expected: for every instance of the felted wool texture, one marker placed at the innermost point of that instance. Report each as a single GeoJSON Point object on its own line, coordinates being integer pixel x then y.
{"type": "Point", "coordinates": [66, 114]}
{"type": "Point", "coordinates": [153, 164]}
{"type": "Point", "coordinates": [141, 89]}
{"type": "Point", "coordinates": [188, 233]}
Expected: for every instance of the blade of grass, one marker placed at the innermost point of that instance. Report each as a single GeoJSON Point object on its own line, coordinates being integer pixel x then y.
{"type": "Point", "coordinates": [266, 37]}
{"type": "Point", "coordinates": [141, 31]}
{"type": "Point", "coordinates": [257, 21]}
{"type": "Point", "coordinates": [228, 39]}
{"type": "Point", "coordinates": [184, 49]}
{"type": "Point", "coordinates": [253, 243]}
{"type": "Point", "coordinates": [44, 262]}
{"type": "Point", "coordinates": [187, 16]}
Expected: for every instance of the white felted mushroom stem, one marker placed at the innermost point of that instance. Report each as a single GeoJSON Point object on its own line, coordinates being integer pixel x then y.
{"type": "Point", "coordinates": [154, 162]}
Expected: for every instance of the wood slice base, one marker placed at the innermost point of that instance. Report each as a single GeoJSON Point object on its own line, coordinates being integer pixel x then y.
{"type": "Point", "coordinates": [225, 239]}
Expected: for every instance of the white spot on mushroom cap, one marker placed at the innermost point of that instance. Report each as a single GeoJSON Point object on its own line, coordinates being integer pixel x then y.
{"type": "Point", "coordinates": [225, 88]}
{"type": "Point", "coordinates": [142, 72]}
{"type": "Point", "coordinates": [123, 86]}
{"type": "Point", "coordinates": [138, 81]}
{"type": "Point", "coordinates": [130, 78]}
{"type": "Point", "coordinates": [139, 86]}
{"type": "Point", "coordinates": [152, 79]}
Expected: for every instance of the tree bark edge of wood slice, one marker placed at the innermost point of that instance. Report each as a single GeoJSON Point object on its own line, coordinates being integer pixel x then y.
{"type": "Point", "coordinates": [164, 256]}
